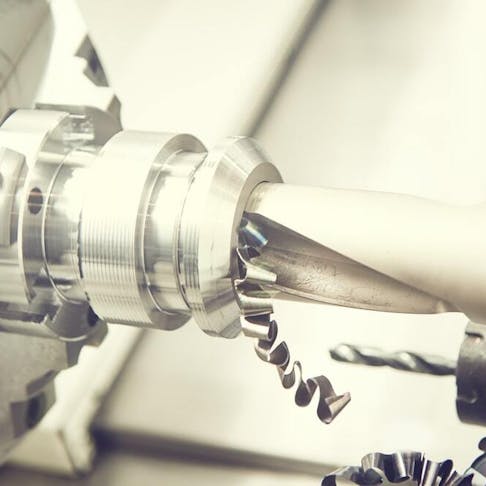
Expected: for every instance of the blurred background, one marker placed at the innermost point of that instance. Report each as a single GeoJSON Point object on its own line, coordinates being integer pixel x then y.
{"type": "Point", "coordinates": [369, 94]}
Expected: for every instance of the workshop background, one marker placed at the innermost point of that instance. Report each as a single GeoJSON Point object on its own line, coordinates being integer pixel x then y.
{"type": "Point", "coordinates": [374, 94]}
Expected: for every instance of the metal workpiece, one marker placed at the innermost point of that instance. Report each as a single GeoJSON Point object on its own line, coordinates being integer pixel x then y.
{"type": "Point", "coordinates": [130, 227]}
{"type": "Point", "coordinates": [112, 247]}
{"type": "Point", "coordinates": [106, 225]}
{"type": "Point", "coordinates": [157, 244]}
{"type": "Point", "coordinates": [150, 229]}
{"type": "Point", "coordinates": [42, 330]}
{"type": "Point", "coordinates": [42, 236]}
{"type": "Point", "coordinates": [209, 231]}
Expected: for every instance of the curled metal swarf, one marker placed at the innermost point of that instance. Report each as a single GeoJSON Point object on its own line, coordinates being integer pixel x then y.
{"type": "Point", "coordinates": [411, 468]}
{"type": "Point", "coordinates": [290, 372]}
{"type": "Point", "coordinates": [256, 308]}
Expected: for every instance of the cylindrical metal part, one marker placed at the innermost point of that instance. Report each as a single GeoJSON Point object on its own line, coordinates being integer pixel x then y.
{"type": "Point", "coordinates": [61, 227]}
{"type": "Point", "coordinates": [12, 174]}
{"type": "Point", "coordinates": [209, 231]}
{"type": "Point", "coordinates": [129, 227]}
{"type": "Point", "coordinates": [161, 238]}
{"type": "Point", "coordinates": [113, 223]}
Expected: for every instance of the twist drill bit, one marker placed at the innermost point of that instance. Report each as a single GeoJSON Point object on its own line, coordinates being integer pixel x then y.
{"type": "Point", "coordinates": [399, 360]}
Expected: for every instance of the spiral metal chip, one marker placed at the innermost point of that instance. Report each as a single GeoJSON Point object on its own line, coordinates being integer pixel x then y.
{"type": "Point", "coordinates": [407, 468]}
{"type": "Point", "coordinates": [257, 308]}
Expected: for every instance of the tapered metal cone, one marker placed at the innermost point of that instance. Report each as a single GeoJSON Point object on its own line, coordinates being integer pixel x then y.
{"type": "Point", "coordinates": [372, 250]}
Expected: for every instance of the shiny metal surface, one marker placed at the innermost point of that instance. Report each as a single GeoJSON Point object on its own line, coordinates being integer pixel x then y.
{"type": "Point", "coordinates": [29, 248]}
{"type": "Point", "coordinates": [124, 221]}
{"type": "Point", "coordinates": [83, 80]}
{"type": "Point", "coordinates": [33, 312]}
{"type": "Point", "coordinates": [408, 468]}
{"type": "Point", "coordinates": [398, 360]}
{"type": "Point", "coordinates": [427, 252]}
{"type": "Point", "coordinates": [367, 289]}
{"type": "Point", "coordinates": [209, 231]}
{"type": "Point", "coordinates": [367, 105]}
{"type": "Point", "coordinates": [379, 251]}
{"type": "Point", "coordinates": [12, 173]}
{"type": "Point", "coordinates": [128, 227]}
{"type": "Point", "coordinates": [161, 240]}
{"type": "Point", "coordinates": [306, 269]}
{"type": "Point", "coordinates": [256, 307]}
{"type": "Point", "coordinates": [28, 54]}
{"type": "Point", "coordinates": [96, 244]}
{"type": "Point", "coordinates": [69, 188]}
{"type": "Point", "coordinates": [111, 241]}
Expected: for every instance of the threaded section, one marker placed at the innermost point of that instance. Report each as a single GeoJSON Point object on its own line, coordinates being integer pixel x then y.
{"type": "Point", "coordinates": [112, 224]}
